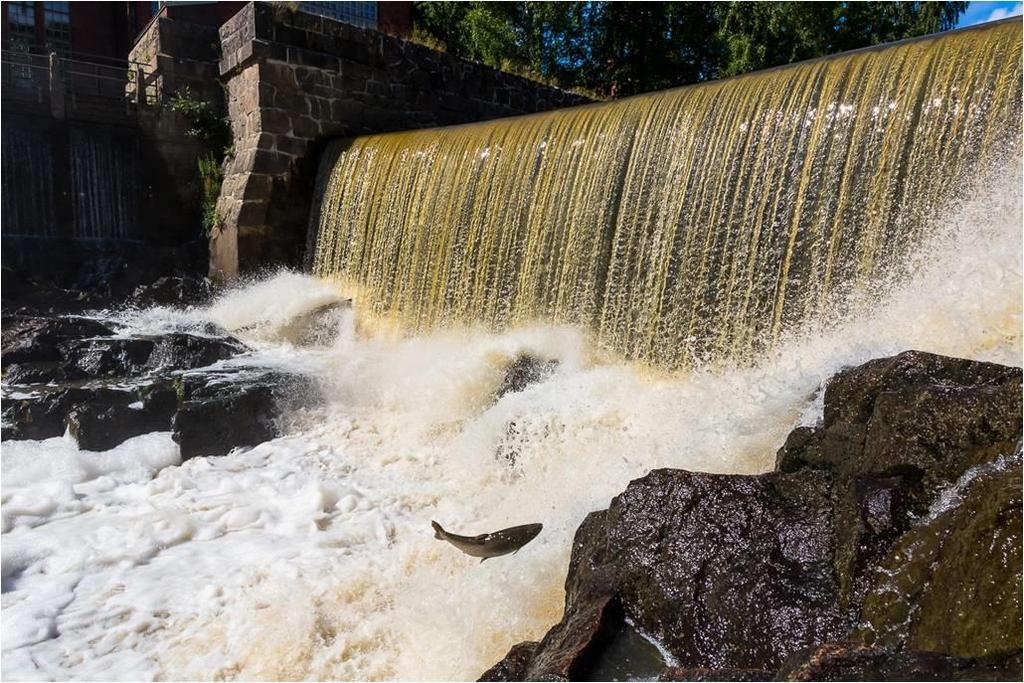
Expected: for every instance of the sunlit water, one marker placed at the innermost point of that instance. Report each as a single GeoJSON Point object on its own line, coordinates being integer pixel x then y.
{"type": "Point", "coordinates": [311, 556]}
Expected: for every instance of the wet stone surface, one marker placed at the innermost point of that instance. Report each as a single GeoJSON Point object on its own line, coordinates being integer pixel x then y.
{"type": "Point", "coordinates": [85, 377]}
{"type": "Point", "coordinates": [885, 546]}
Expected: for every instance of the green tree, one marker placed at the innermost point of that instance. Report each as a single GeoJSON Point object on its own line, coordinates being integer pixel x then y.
{"type": "Point", "coordinates": [623, 48]}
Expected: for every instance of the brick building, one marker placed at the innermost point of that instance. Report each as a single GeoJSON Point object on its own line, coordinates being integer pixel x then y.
{"type": "Point", "coordinates": [109, 29]}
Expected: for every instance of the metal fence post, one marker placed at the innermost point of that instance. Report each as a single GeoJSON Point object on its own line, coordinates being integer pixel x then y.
{"type": "Point", "coordinates": [56, 87]}
{"type": "Point", "coordinates": [140, 86]}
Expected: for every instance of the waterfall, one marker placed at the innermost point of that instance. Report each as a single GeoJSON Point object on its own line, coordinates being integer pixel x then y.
{"type": "Point", "coordinates": [696, 224]}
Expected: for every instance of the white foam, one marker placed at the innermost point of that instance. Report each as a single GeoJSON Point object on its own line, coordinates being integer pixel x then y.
{"type": "Point", "coordinates": [311, 556]}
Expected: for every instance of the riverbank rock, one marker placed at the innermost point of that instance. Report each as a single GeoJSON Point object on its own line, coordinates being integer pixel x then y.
{"type": "Point", "coordinates": [32, 339]}
{"type": "Point", "coordinates": [108, 418]}
{"type": "Point", "coordinates": [854, 662]}
{"type": "Point", "coordinates": [893, 525]}
{"type": "Point", "coordinates": [40, 414]}
{"type": "Point", "coordinates": [73, 373]}
{"type": "Point", "coordinates": [173, 290]}
{"type": "Point", "coordinates": [222, 411]}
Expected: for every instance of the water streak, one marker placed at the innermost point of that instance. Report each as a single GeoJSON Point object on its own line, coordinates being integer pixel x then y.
{"type": "Point", "coordinates": [694, 224]}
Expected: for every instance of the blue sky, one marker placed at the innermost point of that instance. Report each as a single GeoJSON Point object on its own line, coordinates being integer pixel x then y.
{"type": "Point", "coordinates": [980, 12]}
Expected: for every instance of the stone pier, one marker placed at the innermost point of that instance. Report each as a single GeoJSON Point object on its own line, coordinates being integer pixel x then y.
{"type": "Point", "coordinates": [293, 81]}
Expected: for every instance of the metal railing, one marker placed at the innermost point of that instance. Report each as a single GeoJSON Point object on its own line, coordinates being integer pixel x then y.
{"type": "Point", "coordinates": [72, 81]}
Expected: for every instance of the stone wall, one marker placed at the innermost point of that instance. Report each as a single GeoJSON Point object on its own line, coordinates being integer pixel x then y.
{"type": "Point", "coordinates": [294, 81]}
{"type": "Point", "coordinates": [91, 171]}
{"type": "Point", "coordinates": [180, 54]}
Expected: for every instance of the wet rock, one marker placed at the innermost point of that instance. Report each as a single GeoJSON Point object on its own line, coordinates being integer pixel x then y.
{"type": "Point", "coordinates": [173, 291]}
{"type": "Point", "coordinates": [724, 571]}
{"type": "Point", "coordinates": [40, 415]}
{"type": "Point", "coordinates": [30, 339]}
{"type": "Point", "coordinates": [856, 662]}
{"type": "Point", "coordinates": [26, 295]}
{"type": "Point", "coordinates": [513, 666]}
{"type": "Point", "coordinates": [894, 432]}
{"type": "Point", "coordinates": [107, 419]}
{"type": "Point", "coordinates": [319, 327]}
{"type": "Point", "coordinates": [106, 358]}
{"type": "Point", "coordinates": [525, 370]}
{"type": "Point", "coordinates": [678, 673]}
{"type": "Point", "coordinates": [896, 522]}
{"type": "Point", "coordinates": [180, 351]}
{"type": "Point", "coordinates": [222, 411]}
{"type": "Point", "coordinates": [919, 413]}
{"type": "Point", "coordinates": [38, 373]}
{"type": "Point", "coordinates": [952, 583]}
{"type": "Point", "coordinates": [138, 356]}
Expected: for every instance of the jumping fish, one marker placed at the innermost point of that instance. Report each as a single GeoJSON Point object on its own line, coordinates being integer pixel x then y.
{"type": "Point", "coordinates": [490, 545]}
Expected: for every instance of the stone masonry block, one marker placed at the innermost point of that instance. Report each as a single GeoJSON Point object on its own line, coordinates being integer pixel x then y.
{"type": "Point", "coordinates": [305, 127]}
{"type": "Point", "coordinates": [252, 213]}
{"type": "Point", "coordinates": [289, 144]}
{"type": "Point", "coordinates": [256, 187]}
{"type": "Point", "coordinates": [270, 162]}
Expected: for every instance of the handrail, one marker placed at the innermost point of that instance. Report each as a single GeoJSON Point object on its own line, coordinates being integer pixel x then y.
{"type": "Point", "coordinates": [65, 76]}
{"type": "Point", "coordinates": [78, 57]}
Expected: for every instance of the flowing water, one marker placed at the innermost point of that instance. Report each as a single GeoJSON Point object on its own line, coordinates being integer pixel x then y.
{"type": "Point", "coordinates": [685, 225]}
{"type": "Point", "coordinates": [311, 556]}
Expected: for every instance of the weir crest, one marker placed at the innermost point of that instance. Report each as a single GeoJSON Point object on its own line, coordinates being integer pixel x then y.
{"type": "Point", "coordinates": [689, 225]}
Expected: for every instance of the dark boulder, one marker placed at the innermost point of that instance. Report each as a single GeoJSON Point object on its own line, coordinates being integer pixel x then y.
{"type": "Point", "coordinates": [138, 356]}
{"type": "Point", "coordinates": [952, 583]}
{"type": "Point", "coordinates": [108, 419]}
{"type": "Point", "coordinates": [98, 417]}
{"type": "Point", "coordinates": [173, 291]}
{"type": "Point", "coordinates": [30, 339]}
{"type": "Point", "coordinates": [40, 415]}
{"type": "Point", "coordinates": [525, 370]}
{"type": "Point", "coordinates": [856, 662]}
{"type": "Point", "coordinates": [106, 358]}
{"type": "Point", "coordinates": [725, 571]}
{"type": "Point", "coordinates": [39, 372]}
{"type": "Point", "coordinates": [919, 413]}
{"type": "Point", "coordinates": [894, 432]}
{"type": "Point", "coordinates": [181, 351]}
{"type": "Point", "coordinates": [222, 411]}
{"type": "Point", "coordinates": [896, 523]}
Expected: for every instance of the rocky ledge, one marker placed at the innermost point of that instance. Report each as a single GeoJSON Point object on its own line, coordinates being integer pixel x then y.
{"type": "Point", "coordinates": [886, 545]}
{"type": "Point", "coordinates": [66, 372]}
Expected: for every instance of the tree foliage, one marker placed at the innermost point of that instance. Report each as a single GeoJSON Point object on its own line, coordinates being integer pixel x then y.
{"type": "Point", "coordinates": [623, 48]}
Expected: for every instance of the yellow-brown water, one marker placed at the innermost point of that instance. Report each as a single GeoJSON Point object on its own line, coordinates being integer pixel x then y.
{"type": "Point", "coordinates": [690, 224]}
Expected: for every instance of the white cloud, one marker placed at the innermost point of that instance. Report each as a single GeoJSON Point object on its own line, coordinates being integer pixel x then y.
{"type": "Point", "coordinates": [1003, 12]}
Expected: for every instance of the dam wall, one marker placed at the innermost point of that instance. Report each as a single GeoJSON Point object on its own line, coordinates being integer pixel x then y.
{"type": "Point", "coordinates": [96, 161]}
{"type": "Point", "coordinates": [294, 81]}
{"type": "Point", "coordinates": [699, 224]}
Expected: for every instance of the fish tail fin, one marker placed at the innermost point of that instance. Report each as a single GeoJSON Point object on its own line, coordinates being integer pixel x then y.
{"type": "Point", "coordinates": [438, 530]}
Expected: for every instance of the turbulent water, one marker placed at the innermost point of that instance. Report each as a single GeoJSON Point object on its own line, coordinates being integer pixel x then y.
{"type": "Point", "coordinates": [685, 225]}
{"type": "Point", "coordinates": [312, 556]}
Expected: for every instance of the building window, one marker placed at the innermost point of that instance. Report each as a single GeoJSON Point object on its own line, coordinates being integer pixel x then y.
{"type": "Point", "coordinates": [21, 23]}
{"type": "Point", "coordinates": [57, 22]}
{"type": "Point", "coordinates": [363, 14]}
